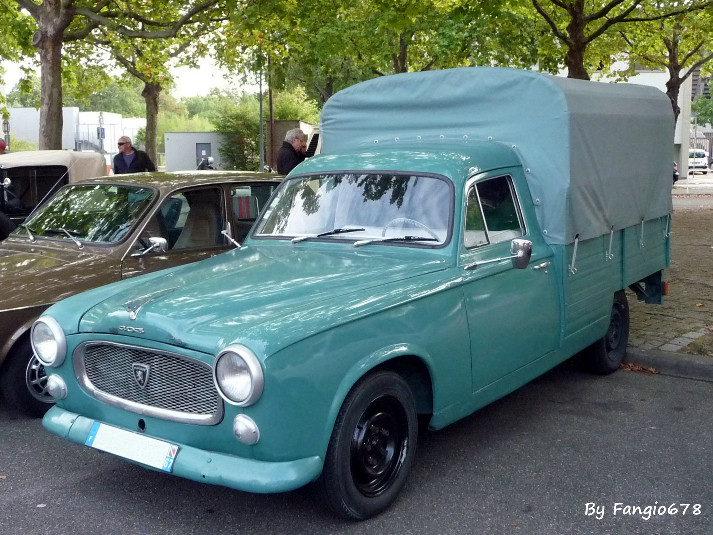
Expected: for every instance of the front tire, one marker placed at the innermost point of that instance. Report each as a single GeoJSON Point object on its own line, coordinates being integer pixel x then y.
{"type": "Point", "coordinates": [606, 354]}
{"type": "Point", "coordinates": [372, 448]}
{"type": "Point", "coordinates": [24, 381]}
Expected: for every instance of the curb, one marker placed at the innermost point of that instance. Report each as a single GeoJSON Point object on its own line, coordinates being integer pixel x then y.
{"type": "Point", "coordinates": [673, 364]}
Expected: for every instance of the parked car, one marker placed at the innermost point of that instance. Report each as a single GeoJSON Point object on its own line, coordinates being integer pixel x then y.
{"type": "Point", "coordinates": [697, 161]}
{"type": "Point", "coordinates": [452, 242]}
{"type": "Point", "coordinates": [28, 178]}
{"type": "Point", "coordinates": [107, 229]}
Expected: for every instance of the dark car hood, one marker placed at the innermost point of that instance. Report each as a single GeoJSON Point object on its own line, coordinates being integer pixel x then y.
{"type": "Point", "coordinates": [264, 294]}
{"type": "Point", "coordinates": [32, 275]}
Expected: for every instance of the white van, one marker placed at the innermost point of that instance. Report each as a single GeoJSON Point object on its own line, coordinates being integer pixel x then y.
{"type": "Point", "coordinates": [697, 161]}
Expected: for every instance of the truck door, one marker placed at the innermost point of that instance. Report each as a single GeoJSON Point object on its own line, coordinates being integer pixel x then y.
{"type": "Point", "coordinates": [513, 314]}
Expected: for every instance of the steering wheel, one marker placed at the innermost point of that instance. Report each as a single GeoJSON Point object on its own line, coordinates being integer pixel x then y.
{"type": "Point", "coordinates": [412, 222]}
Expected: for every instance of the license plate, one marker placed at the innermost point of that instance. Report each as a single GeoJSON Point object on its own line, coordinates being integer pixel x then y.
{"type": "Point", "coordinates": [138, 448]}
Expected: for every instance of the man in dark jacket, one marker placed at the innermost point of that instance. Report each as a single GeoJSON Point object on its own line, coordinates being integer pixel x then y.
{"type": "Point", "coordinates": [292, 151]}
{"type": "Point", "coordinates": [131, 160]}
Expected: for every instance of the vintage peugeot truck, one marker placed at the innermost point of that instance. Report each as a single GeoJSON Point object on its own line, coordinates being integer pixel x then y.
{"type": "Point", "coordinates": [462, 232]}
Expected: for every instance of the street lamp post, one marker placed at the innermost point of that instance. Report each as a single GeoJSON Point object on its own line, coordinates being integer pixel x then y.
{"type": "Point", "coordinates": [6, 133]}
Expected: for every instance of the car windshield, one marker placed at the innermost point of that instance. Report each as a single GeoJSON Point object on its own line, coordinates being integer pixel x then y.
{"type": "Point", "coordinates": [100, 213]}
{"type": "Point", "coordinates": [364, 208]}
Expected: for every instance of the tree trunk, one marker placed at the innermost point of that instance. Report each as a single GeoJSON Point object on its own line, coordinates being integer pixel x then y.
{"type": "Point", "coordinates": [400, 60]}
{"type": "Point", "coordinates": [150, 94]}
{"type": "Point", "coordinates": [48, 41]}
{"type": "Point", "coordinates": [574, 58]}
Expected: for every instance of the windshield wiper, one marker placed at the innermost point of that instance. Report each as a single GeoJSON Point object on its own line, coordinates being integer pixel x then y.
{"type": "Point", "coordinates": [70, 234]}
{"type": "Point", "coordinates": [29, 232]}
{"type": "Point", "coordinates": [342, 230]}
{"type": "Point", "coordinates": [400, 238]}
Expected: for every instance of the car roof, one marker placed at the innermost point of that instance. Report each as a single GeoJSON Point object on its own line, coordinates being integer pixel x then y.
{"type": "Point", "coordinates": [164, 180]}
{"type": "Point", "coordinates": [79, 164]}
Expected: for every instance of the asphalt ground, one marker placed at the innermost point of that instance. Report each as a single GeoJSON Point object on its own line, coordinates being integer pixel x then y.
{"type": "Point", "coordinates": [662, 336]}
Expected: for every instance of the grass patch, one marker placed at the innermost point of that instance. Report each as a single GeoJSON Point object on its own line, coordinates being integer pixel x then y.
{"type": "Point", "coordinates": [701, 346]}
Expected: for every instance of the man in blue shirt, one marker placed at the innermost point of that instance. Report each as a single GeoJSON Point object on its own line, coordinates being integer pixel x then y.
{"type": "Point", "coordinates": [131, 160]}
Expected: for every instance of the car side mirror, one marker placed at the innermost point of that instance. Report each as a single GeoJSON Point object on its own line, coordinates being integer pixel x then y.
{"type": "Point", "coordinates": [156, 244]}
{"type": "Point", "coordinates": [521, 252]}
{"type": "Point", "coordinates": [6, 182]}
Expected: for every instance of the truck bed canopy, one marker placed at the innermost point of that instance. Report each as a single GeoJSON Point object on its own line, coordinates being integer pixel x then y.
{"type": "Point", "coordinates": [597, 156]}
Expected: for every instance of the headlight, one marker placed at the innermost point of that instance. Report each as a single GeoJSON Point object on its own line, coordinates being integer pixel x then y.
{"type": "Point", "coordinates": [238, 375]}
{"type": "Point", "coordinates": [48, 341]}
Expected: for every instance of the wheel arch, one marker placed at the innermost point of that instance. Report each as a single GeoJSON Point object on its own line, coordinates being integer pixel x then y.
{"type": "Point", "coordinates": [403, 360]}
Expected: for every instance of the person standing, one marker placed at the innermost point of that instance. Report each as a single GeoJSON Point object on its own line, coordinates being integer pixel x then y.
{"type": "Point", "coordinates": [2, 147]}
{"type": "Point", "coordinates": [292, 152]}
{"type": "Point", "coordinates": [131, 160]}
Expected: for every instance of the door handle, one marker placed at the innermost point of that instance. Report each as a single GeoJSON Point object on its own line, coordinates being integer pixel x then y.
{"type": "Point", "coordinates": [544, 265]}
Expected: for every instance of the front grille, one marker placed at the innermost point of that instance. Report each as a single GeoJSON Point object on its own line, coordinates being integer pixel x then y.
{"type": "Point", "coordinates": [177, 388]}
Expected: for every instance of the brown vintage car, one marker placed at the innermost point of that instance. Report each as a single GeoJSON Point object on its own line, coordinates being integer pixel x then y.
{"type": "Point", "coordinates": [106, 229]}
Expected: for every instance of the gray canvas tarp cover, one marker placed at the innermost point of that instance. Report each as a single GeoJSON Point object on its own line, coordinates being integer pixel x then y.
{"type": "Point", "coordinates": [597, 156]}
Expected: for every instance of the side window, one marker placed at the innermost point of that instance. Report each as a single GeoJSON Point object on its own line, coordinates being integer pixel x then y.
{"type": "Point", "coordinates": [248, 202]}
{"type": "Point", "coordinates": [492, 214]}
{"type": "Point", "coordinates": [189, 219]}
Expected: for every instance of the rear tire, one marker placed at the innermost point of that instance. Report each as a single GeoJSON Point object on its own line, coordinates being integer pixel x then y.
{"type": "Point", "coordinates": [606, 354]}
{"type": "Point", "coordinates": [24, 381]}
{"type": "Point", "coordinates": [372, 448]}
{"type": "Point", "coordinates": [6, 226]}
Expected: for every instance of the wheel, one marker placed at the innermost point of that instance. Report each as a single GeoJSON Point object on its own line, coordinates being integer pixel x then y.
{"type": "Point", "coordinates": [606, 354]}
{"type": "Point", "coordinates": [371, 449]}
{"type": "Point", "coordinates": [411, 222]}
{"type": "Point", "coordinates": [24, 381]}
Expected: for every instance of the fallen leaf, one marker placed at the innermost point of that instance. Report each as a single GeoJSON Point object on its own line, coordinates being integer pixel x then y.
{"type": "Point", "coordinates": [3, 477]}
{"type": "Point", "coordinates": [637, 368]}
{"type": "Point", "coordinates": [700, 304]}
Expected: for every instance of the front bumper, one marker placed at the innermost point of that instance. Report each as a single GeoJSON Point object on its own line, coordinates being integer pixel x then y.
{"type": "Point", "coordinates": [206, 466]}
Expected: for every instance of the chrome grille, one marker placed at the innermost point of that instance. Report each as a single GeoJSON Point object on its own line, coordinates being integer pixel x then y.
{"type": "Point", "coordinates": [178, 388]}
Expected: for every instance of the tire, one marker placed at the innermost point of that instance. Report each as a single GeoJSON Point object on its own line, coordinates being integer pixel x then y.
{"type": "Point", "coordinates": [606, 354]}
{"type": "Point", "coordinates": [371, 449]}
{"type": "Point", "coordinates": [24, 381]}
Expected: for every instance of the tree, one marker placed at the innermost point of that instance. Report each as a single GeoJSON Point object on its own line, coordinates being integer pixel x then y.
{"type": "Point", "coordinates": [326, 46]}
{"type": "Point", "coordinates": [64, 21]}
{"type": "Point", "coordinates": [679, 45]}
{"type": "Point", "coordinates": [577, 25]}
{"type": "Point", "coordinates": [16, 30]}
{"type": "Point", "coordinates": [702, 107]}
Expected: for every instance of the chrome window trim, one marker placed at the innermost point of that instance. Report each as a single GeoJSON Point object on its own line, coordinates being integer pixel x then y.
{"type": "Point", "coordinates": [138, 408]}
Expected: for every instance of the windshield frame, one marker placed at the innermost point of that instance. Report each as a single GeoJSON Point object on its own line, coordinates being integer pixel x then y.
{"type": "Point", "coordinates": [126, 236]}
{"type": "Point", "coordinates": [349, 237]}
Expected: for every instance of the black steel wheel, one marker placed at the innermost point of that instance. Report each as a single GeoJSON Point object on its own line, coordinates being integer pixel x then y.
{"type": "Point", "coordinates": [606, 354]}
{"type": "Point", "coordinates": [371, 449]}
{"type": "Point", "coordinates": [24, 381]}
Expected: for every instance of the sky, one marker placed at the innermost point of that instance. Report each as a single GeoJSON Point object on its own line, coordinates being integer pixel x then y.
{"type": "Point", "coordinates": [189, 82]}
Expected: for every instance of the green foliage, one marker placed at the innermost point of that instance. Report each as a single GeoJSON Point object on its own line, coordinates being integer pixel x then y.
{"type": "Point", "coordinates": [294, 104]}
{"type": "Point", "coordinates": [211, 106]}
{"type": "Point", "coordinates": [702, 107]}
{"type": "Point", "coordinates": [239, 126]}
{"type": "Point", "coordinates": [240, 132]}
{"type": "Point", "coordinates": [19, 145]}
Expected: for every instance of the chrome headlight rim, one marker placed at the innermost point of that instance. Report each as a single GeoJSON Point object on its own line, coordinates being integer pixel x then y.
{"type": "Point", "coordinates": [59, 339]}
{"type": "Point", "coordinates": [252, 363]}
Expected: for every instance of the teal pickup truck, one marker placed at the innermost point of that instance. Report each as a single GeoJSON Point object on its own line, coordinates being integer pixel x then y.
{"type": "Point", "coordinates": [462, 232]}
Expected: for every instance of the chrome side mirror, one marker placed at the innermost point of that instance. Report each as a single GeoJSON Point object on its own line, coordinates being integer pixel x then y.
{"type": "Point", "coordinates": [156, 244]}
{"type": "Point", "coordinates": [7, 182]}
{"type": "Point", "coordinates": [521, 251]}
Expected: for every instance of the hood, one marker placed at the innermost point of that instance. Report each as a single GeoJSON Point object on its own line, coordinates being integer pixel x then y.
{"type": "Point", "coordinates": [34, 274]}
{"type": "Point", "coordinates": [261, 295]}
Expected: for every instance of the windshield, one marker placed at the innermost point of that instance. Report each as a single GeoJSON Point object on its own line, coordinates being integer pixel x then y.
{"type": "Point", "coordinates": [387, 208]}
{"type": "Point", "coordinates": [101, 213]}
